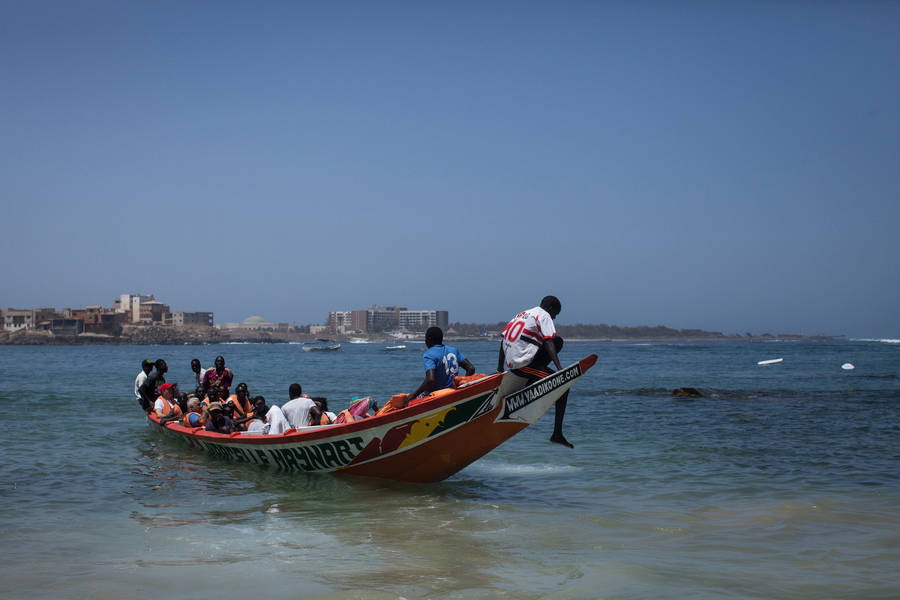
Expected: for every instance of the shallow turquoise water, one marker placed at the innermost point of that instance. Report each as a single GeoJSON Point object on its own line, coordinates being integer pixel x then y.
{"type": "Point", "coordinates": [783, 483]}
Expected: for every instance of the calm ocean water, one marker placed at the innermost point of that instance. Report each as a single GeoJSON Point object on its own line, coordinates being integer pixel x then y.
{"type": "Point", "coordinates": [783, 483]}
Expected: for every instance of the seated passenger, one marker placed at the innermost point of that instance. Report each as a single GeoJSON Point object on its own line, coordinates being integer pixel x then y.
{"type": "Point", "coordinates": [300, 410]}
{"type": "Point", "coordinates": [218, 422]}
{"type": "Point", "coordinates": [256, 422]}
{"type": "Point", "coordinates": [165, 405]}
{"type": "Point", "coordinates": [196, 415]}
{"type": "Point", "coordinates": [241, 401]}
{"type": "Point", "coordinates": [327, 417]}
{"type": "Point", "coordinates": [266, 420]}
{"type": "Point", "coordinates": [213, 394]}
{"type": "Point", "coordinates": [442, 363]}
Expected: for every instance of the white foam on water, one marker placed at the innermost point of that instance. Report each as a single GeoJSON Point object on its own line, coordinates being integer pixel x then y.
{"type": "Point", "coordinates": [882, 340]}
{"type": "Point", "coordinates": [496, 468]}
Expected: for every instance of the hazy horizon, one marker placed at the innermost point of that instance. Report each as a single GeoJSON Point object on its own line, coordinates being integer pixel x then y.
{"type": "Point", "coordinates": [725, 167]}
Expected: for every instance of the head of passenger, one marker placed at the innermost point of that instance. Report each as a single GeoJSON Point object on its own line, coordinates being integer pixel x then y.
{"type": "Point", "coordinates": [322, 403]}
{"type": "Point", "coordinates": [216, 414]}
{"type": "Point", "coordinates": [434, 336]}
{"type": "Point", "coordinates": [552, 305]}
{"type": "Point", "coordinates": [228, 409]}
{"type": "Point", "coordinates": [220, 364]}
{"type": "Point", "coordinates": [198, 391]}
{"type": "Point", "coordinates": [193, 404]}
{"type": "Point", "coordinates": [195, 365]}
{"type": "Point", "coordinates": [242, 391]}
{"type": "Point", "coordinates": [295, 391]}
{"type": "Point", "coordinates": [167, 391]}
{"type": "Point", "coordinates": [161, 366]}
{"type": "Point", "coordinates": [147, 365]}
{"type": "Point", "coordinates": [213, 394]}
{"type": "Point", "coordinates": [259, 407]}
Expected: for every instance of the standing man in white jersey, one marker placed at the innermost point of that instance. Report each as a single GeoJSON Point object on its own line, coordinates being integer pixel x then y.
{"type": "Point", "coordinates": [530, 343]}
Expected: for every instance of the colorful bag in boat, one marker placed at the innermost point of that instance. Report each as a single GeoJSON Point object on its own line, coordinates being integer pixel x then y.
{"type": "Point", "coordinates": [395, 403]}
{"type": "Point", "coordinates": [358, 409]}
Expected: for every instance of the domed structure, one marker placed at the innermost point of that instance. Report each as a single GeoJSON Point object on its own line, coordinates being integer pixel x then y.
{"type": "Point", "coordinates": [254, 320]}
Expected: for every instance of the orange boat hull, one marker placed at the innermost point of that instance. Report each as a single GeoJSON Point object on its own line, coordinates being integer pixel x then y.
{"type": "Point", "coordinates": [428, 441]}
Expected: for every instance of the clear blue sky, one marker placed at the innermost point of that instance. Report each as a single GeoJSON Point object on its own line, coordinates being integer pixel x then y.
{"type": "Point", "coordinates": [720, 165]}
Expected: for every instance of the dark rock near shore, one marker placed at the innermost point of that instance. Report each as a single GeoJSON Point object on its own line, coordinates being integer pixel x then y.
{"type": "Point", "coordinates": [687, 392]}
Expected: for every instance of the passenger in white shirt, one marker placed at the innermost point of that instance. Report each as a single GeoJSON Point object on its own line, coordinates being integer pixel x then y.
{"type": "Point", "coordinates": [300, 409]}
{"type": "Point", "coordinates": [198, 370]}
{"type": "Point", "coordinates": [273, 423]}
{"type": "Point", "coordinates": [529, 345]}
{"type": "Point", "coordinates": [146, 367]}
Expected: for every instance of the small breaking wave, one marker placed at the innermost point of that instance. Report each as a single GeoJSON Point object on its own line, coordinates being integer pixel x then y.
{"type": "Point", "coordinates": [881, 340]}
{"type": "Point", "coordinates": [496, 468]}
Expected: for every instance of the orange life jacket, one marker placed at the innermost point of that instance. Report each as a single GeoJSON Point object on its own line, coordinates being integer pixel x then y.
{"type": "Point", "coordinates": [464, 379]}
{"type": "Point", "coordinates": [240, 410]}
{"type": "Point", "coordinates": [395, 403]}
{"type": "Point", "coordinates": [186, 420]}
{"type": "Point", "coordinates": [168, 406]}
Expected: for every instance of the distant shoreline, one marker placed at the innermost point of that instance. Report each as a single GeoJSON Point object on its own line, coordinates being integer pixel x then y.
{"type": "Point", "coordinates": [167, 336]}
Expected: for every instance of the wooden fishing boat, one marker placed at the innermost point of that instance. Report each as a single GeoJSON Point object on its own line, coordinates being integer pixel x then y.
{"type": "Point", "coordinates": [430, 440]}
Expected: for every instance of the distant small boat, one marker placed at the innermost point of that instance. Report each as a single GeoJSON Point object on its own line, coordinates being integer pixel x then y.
{"type": "Point", "coordinates": [397, 347]}
{"type": "Point", "coordinates": [847, 366]}
{"type": "Point", "coordinates": [358, 341]}
{"type": "Point", "coordinates": [773, 361]}
{"type": "Point", "coordinates": [321, 348]}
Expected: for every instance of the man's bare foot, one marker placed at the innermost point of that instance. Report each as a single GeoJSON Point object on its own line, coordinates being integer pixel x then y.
{"type": "Point", "coordinates": [561, 440]}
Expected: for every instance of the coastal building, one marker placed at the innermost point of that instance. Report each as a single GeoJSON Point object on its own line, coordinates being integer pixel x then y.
{"type": "Point", "coordinates": [130, 304]}
{"type": "Point", "coordinates": [153, 312]}
{"type": "Point", "coordinates": [189, 319]}
{"type": "Point", "coordinates": [130, 309]}
{"type": "Point", "coordinates": [385, 318]}
{"type": "Point", "coordinates": [420, 320]}
{"type": "Point", "coordinates": [257, 323]}
{"type": "Point", "coordinates": [15, 319]}
{"type": "Point", "coordinates": [63, 326]}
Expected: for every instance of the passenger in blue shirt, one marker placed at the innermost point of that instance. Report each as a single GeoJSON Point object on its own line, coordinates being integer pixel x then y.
{"type": "Point", "coordinates": [442, 363]}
